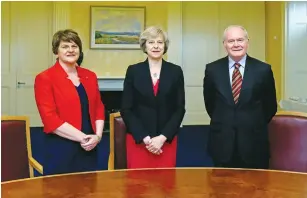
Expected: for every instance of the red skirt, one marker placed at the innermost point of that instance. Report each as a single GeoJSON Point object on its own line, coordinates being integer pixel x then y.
{"type": "Point", "coordinates": [139, 157]}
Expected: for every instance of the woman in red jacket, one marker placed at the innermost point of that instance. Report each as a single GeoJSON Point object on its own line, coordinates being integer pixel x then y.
{"type": "Point", "coordinates": [69, 103]}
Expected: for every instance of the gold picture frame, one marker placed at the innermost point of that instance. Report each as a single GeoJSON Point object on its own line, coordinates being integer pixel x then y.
{"type": "Point", "coordinates": [114, 27]}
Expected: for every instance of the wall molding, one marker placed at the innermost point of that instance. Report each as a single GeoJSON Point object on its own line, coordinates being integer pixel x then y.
{"type": "Point", "coordinates": [174, 26]}
{"type": "Point", "coordinates": [61, 17]}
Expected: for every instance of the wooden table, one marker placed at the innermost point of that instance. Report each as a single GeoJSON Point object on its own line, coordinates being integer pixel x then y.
{"type": "Point", "coordinates": [163, 183]}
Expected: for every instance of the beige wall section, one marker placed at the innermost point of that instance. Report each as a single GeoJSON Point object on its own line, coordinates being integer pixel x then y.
{"type": "Point", "coordinates": [275, 25]}
{"type": "Point", "coordinates": [112, 62]}
{"type": "Point", "coordinates": [203, 26]}
{"type": "Point", "coordinates": [253, 19]}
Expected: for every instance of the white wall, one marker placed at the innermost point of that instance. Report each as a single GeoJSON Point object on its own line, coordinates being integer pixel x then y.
{"type": "Point", "coordinates": [296, 50]}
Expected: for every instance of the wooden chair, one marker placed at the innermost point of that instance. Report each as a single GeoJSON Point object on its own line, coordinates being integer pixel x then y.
{"type": "Point", "coordinates": [288, 141]}
{"type": "Point", "coordinates": [118, 155]}
{"type": "Point", "coordinates": [17, 161]}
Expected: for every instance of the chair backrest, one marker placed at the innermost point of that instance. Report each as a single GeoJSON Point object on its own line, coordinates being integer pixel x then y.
{"type": "Point", "coordinates": [14, 152]}
{"type": "Point", "coordinates": [288, 141]}
{"type": "Point", "coordinates": [118, 155]}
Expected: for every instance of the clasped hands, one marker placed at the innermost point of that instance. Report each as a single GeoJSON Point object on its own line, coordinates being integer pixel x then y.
{"type": "Point", "coordinates": [89, 142]}
{"type": "Point", "coordinates": [154, 145]}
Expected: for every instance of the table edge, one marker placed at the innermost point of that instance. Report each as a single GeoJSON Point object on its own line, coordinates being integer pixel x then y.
{"type": "Point", "coordinates": [142, 169]}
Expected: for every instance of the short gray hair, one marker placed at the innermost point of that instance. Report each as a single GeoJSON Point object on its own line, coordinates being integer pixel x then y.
{"type": "Point", "coordinates": [153, 32]}
{"type": "Point", "coordinates": [235, 26]}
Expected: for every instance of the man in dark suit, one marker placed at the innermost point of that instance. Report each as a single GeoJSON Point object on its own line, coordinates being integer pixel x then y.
{"type": "Point", "coordinates": [240, 98]}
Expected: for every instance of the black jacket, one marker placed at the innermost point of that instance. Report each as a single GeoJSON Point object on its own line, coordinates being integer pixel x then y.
{"type": "Point", "coordinates": [146, 114]}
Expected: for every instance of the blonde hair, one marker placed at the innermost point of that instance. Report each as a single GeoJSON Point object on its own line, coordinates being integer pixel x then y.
{"type": "Point", "coordinates": [153, 32]}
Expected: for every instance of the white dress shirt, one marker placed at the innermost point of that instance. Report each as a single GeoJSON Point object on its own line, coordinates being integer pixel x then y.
{"type": "Point", "coordinates": [231, 64]}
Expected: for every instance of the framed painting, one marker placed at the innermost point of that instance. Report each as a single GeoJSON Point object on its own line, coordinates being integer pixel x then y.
{"type": "Point", "coordinates": [116, 27]}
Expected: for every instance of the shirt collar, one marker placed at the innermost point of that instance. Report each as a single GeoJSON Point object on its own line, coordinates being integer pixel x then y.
{"type": "Point", "coordinates": [232, 62]}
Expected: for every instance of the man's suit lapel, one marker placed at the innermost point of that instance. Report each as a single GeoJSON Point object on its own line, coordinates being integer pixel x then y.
{"type": "Point", "coordinates": [226, 81]}
{"type": "Point", "coordinates": [247, 79]}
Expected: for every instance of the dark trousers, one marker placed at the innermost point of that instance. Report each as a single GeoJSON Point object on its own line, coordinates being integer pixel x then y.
{"type": "Point", "coordinates": [65, 156]}
{"type": "Point", "coordinates": [237, 162]}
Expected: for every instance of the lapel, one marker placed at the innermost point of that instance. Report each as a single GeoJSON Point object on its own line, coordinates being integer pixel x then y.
{"type": "Point", "coordinates": [89, 83]}
{"type": "Point", "coordinates": [59, 71]}
{"type": "Point", "coordinates": [146, 81]}
{"type": "Point", "coordinates": [66, 84]}
{"type": "Point", "coordinates": [247, 79]}
{"type": "Point", "coordinates": [66, 88]}
{"type": "Point", "coordinates": [62, 76]}
{"type": "Point", "coordinates": [84, 79]}
{"type": "Point", "coordinates": [165, 79]}
{"type": "Point", "coordinates": [225, 80]}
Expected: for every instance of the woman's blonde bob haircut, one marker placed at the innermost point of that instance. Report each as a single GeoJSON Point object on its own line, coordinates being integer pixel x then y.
{"type": "Point", "coordinates": [151, 33]}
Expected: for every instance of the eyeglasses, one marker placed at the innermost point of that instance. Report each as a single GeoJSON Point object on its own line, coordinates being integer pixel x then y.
{"type": "Point", "coordinates": [239, 41]}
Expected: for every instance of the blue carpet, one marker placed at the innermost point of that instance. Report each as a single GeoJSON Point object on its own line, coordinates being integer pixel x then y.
{"type": "Point", "coordinates": [191, 148]}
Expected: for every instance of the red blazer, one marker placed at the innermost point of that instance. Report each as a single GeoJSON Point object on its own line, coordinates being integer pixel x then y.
{"type": "Point", "coordinates": [58, 101]}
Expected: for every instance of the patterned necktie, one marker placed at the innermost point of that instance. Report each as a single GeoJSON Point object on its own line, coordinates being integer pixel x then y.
{"type": "Point", "coordinates": [236, 83]}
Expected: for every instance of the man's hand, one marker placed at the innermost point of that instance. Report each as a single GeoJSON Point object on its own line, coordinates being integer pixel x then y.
{"type": "Point", "coordinates": [156, 144]}
{"type": "Point", "coordinates": [90, 142]}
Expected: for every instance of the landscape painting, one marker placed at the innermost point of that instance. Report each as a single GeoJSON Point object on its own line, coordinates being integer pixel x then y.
{"type": "Point", "coordinates": [116, 27]}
